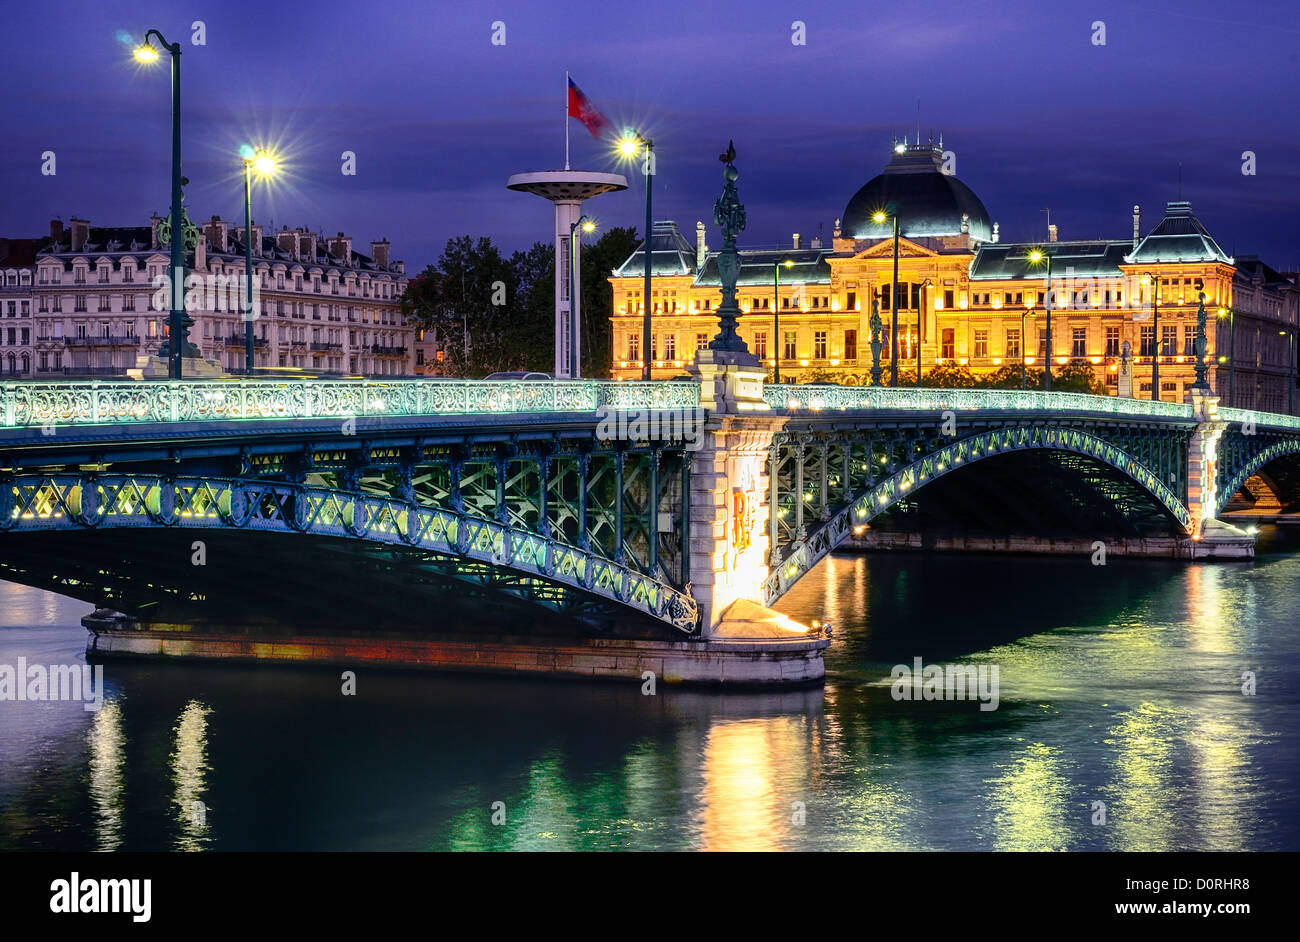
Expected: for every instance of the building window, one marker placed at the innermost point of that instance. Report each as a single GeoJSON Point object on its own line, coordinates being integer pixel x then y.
{"type": "Point", "coordinates": [670, 347]}
{"type": "Point", "coordinates": [1042, 341]}
{"type": "Point", "coordinates": [634, 346]}
{"type": "Point", "coordinates": [701, 341]}
{"type": "Point", "coordinates": [850, 344]}
{"type": "Point", "coordinates": [1147, 345]}
{"type": "Point", "coordinates": [760, 344]}
{"type": "Point", "coordinates": [1168, 340]}
{"type": "Point", "coordinates": [1112, 341]}
{"type": "Point", "coordinates": [1013, 341]}
{"type": "Point", "coordinates": [819, 344]}
{"type": "Point", "coordinates": [851, 299]}
{"type": "Point", "coordinates": [949, 344]}
{"type": "Point", "coordinates": [1112, 379]}
{"type": "Point", "coordinates": [948, 300]}
{"type": "Point", "coordinates": [981, 343]}
{"type": "Point", "coordinates": [1189, 340]}
{"type": "Point", "coordinates": [1079, 342]}
{"type": "Point", "coordinates": [790, 345]}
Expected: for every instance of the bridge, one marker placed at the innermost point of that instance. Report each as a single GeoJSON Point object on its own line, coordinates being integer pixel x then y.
{"type": "Point", "coordinates": [611, 527]}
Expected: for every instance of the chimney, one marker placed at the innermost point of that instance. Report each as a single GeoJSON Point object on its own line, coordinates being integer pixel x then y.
{"type": "Point", "coordinates": [201, 253]}
{"type": "Point", "coordinates": [796, 240]}
{"type": "Point", "coordinates": [341, 248]}
{"type": "Point", "coordinates": [1051, 233]}
{"type": "Point", "coordinates": [307, 245]}
{"type": "Point", "coordinates": [257, 239]}
{"type": "Point", "coordinates": [56, 229]}
{"type": "Point", "coordinates": [216, 232]}
{"type": "Point", "coordinates": [701, 247]}
{"type": "Point", "coordinates": [379, 252]}
{"type": "Point", "coordinates": [287, 241]}
{"type": "Point", "coordinates": [816, 242]}
{"type": "Point", "coordinates": [1137, 225]}
{"type": "Point", "coordinates": [80, 233]}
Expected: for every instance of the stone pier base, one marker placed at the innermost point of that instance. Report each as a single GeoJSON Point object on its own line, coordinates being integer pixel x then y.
{"type": "Point", "coordinates": [732, 662]}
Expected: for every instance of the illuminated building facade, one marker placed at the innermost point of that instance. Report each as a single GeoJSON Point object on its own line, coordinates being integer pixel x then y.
{"type": "Point", "coordinates": [968, 299]}
{"type": "Point", "coordinates": [322, 306]}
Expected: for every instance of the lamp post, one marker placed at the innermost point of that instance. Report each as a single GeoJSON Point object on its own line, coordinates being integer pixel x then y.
{"type": "Point", "coordinates": [878, 217]}
{"type": "Point", "coordinates": [1290, 370]}
{"type": "Point", "coordinates": [575, 292]}
{"type": "Point", "coordinates": [920, 313]}
{"type": "Point", "coordinates": [1155, 334]}
{"type": "Point", "coordinates": [628, 146]}
{"type": "Point", "coordinates": [1036, 256]}
{"type": "Point", "coordinates": [1231, 315]}
{"type": "Point", "coordinates": [776, 318]}
{"type": "Point", "coordinates": [146, 52]}
{"type": "Point", "coordinates": [1027, 312]}
{"type": "Point", "coordinates": [264, 164]}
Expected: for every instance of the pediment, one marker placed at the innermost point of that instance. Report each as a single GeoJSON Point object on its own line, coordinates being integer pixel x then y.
{"type": "Point", "coordinates": [906, 248]}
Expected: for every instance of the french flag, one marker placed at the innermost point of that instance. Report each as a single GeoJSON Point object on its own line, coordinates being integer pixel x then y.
{"type": "Point", "coordinates": [580, 107]}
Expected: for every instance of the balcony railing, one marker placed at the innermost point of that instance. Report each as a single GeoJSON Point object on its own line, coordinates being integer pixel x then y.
{"type": "Point", "coordinates": [102, 341]}
{"type": "Point", "coordinates": [383, 351]}
{"type": "Point", "coordinates": [237, 340]}
{"type": "Point", "coordinates": [320, 347]}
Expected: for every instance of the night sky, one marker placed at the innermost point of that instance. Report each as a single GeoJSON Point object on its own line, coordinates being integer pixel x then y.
{"type": "Point", "coordinates": [439, 117]}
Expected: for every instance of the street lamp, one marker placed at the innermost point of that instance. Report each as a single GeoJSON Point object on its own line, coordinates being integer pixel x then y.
{"type": "Point", "coordinates": [1231, 315]}
{"type": "Point", "coordinates": [1036, 256]}
{"type": "Point", "coordinates": [264, 164]}
{"type": "Point", "coordinates": [878, 217]}
{"type": "Point", "coordinates": [776, 318]}
{"type": "Point", "coordinates": [147, 53]}
{"type": "Point", "coordinates": [575, 292]}
{"type": "Point", "coordinates": [1027, 312]}
{"type": "Point", "coordinates": [628, 145]}
{"type": "Point", "coordinates": [920, 313]}
{"type": "Point", "coordinates": [1290, 370]}
{"type": "Point", "coordinates": [1155, 334]}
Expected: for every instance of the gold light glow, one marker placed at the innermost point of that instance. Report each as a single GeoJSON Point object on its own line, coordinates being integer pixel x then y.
{"type": "Point", "coordinates": [628, 145]}
{"type": "Point", "coordinates": [1062, 360]}
{"type": "Point", "coordinates": [1094, 359]}
{"type": "Point", "coordinates": [145, 52]}
{"type": "Point", "coordinates": [997, 361]}
{"type": "Point", "coordinates": [878, 216]}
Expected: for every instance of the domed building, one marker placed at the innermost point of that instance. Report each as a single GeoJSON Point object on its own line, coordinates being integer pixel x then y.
{"type": "Point", "coordinates": [965, 299]}
{"type": "Point", "coordinates": [929, 201]}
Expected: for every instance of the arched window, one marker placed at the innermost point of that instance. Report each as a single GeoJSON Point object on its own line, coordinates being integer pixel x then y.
{"type": "Point", "coordinates": [13, 363]}
{"type": "Point", "coordinates": [27, 363]}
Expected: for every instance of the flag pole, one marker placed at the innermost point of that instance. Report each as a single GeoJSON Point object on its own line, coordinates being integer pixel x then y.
{"type": "Point", "coordinates": [566, 119]}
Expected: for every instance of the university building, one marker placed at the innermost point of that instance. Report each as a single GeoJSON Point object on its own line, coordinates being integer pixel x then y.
{"type": "Point", "coordinates": [968, 299]}
{"type": "Point", "coordinates": [322, 305]}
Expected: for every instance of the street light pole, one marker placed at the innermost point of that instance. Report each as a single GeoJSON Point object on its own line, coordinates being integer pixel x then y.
{"type": "Point", "coordinates": [921, 307]}
{"type": "Point", "coordinates": [1231, 314]}
{"type": "Point", "coordinates": [1023, 314]}
{"type": "Point", "coordinates": [1155, 337]}
{"type": "Point", "coordinates": [575, 293]}
{"type": "Point", "coordinates": [1047, 307]}
{"type": "Point", "coordinates": [248, 266]}
{"type": "Point", "coordinates": [893, 310]}
{"type": "Point", "coordinates": [176, 323]}
{"type": "Point", "coordinates": [776, 322]}
{"type": "Point", "coordinates": [649, 254]}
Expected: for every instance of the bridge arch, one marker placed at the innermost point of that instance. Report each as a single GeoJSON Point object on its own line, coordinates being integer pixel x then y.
{"type": "Point", "coordinates": [42, 503]}
{"type": "Point", "coordinates": [886, 494]}
{"type": "Point", "coordinates": [1254, 466]}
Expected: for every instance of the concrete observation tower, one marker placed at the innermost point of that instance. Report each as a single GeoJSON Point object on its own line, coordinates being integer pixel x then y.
{"type": "Point", "coordinates": [567, 189]}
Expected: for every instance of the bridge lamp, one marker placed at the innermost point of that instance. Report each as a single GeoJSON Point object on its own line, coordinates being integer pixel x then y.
{"type": "Point", "coordinates": [1155, 334]}
{"type": "Point", "coordinates": [584, 223]}
{"type": "Point", "coordinates": [879, 217]}
{"type": "Point", "coordinates": [263, 163]}
{"type": "Point", "coordinates": [148, 54]}
{"type": "Point", "coordinates": [628, 146]}
{"type": "Point", "coordinates": [1231, 315]}
{"type": "Point", "coordinates": [1037, 256]}
{"type": "Point", "coordinates": [777, 349]}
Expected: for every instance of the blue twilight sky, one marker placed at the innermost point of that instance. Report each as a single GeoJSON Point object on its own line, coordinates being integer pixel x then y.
{"type": "Point", "coordinates": [438, 117]}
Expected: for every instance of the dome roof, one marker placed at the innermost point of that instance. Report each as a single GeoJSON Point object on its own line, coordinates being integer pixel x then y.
{"type": "Point", "coordinates": [929, 202]}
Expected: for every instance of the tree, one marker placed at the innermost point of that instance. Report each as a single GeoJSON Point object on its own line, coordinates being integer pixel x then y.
{"type": "Point", "coordinates": [950, 376]}
{"type": "Point", "coordinates": [1078, 376]}
{"type": "Point", "coordinates": [612, 249]}
{"type": "Point", "coordinates": [1008, 377]}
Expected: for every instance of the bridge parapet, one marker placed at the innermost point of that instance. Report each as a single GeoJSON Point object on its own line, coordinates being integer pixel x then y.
{"type": "Point", "coordinates": [27, 405]}
{"type": "Point", "coordinates": [815, 398]}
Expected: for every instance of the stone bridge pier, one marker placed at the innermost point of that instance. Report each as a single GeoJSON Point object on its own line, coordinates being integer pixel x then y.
{"type": "Point", "coordinates": [729, 546]}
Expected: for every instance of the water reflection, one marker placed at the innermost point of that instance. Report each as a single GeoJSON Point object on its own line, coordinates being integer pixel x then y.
{"type": "Point", "coordinates": [106, 762]}
{"type": "Point", "coordinates": [189, 761]}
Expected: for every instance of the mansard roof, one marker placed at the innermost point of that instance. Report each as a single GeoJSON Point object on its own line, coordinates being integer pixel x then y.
{"type": "Point", "coordinates": [1179, 237]}
{"type": "Point", "coordinates": [1009, 261]}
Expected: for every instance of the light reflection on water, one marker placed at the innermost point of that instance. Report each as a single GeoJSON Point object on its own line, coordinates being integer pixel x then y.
{"type": "Point", "coordinates": [1119, 684]}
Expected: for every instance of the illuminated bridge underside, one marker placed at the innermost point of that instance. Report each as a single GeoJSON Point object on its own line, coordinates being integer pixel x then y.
{"type": "Point", "coordinates": [449, 544]}
{"type": "Point", "coordinates": [1133, 490]}
{"type": "Point", "coordinates": [1271, 455]}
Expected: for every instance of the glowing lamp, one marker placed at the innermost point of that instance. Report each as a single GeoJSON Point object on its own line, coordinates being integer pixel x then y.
{"type": "Point", "coordinates": [145, 52]}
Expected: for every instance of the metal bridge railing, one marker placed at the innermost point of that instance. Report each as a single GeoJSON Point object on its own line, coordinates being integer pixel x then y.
{"type": "Point", "coordinates": [819, 398]}
{"type": "Point", "coordinates": [25, 405]}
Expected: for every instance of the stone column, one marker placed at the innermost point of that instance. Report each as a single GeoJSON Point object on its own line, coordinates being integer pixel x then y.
{"type": "Point", "coordinates": [729, 485]}
{"type": "Point", "coordinates": [1211, 537]}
